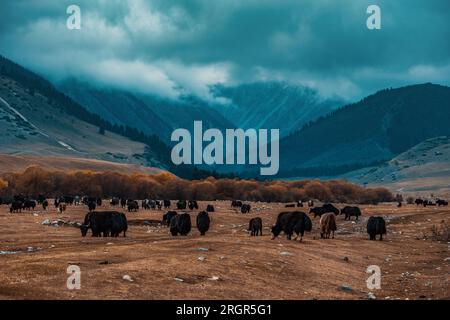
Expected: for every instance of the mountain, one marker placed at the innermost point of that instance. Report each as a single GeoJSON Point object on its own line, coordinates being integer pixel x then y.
{"type": "Point", "coordinates": [36, 119]}
{"type": "Point", "coordinates": [376, 129]}
{"type": "Point", "coordinates": [255, 105]}
{"type": "Point", "coordinates": [272, 105]}
{"type": "Point", "coordinates": [421, 169]}
{"type": "Point", "coordinates": [150, 114]}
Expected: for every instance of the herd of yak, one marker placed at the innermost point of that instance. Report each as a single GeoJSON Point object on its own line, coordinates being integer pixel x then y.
{"type": "Point", "coordinates": [113, 223]}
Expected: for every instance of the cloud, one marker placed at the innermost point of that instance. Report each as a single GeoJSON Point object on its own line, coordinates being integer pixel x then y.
{"type": "Point", "coordinates": [181, 47]}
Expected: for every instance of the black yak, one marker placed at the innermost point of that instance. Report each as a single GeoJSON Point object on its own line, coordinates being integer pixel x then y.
{"type": "Point", "coordinates": [255, 226]}
{"type": "Point", "coordinates": [104, 223]}
{"type": "Point", "coordinates": [375, 226]}
{"type": "Point", "coordinates": [351, 212]}
{"type": "Point", "coordinates": [181, 204]}
{"type": "Point", "coordinates": [245, 208]}
{"type": "Point", "coordinates": [290, 222]}
{"type": "Point", "coordinates": [203, 222]}
{"type": "Point", "coordinates": [180, 224]}
{"type": "Point", "coordinates": [167, 217]}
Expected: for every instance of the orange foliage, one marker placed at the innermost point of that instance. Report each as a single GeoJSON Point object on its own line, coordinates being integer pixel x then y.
{"type": "Point", "coordinates": [35, 180]}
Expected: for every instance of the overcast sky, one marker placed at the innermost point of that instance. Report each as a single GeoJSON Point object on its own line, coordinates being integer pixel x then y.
{"type": "Point", "coordinates": [170, 47]}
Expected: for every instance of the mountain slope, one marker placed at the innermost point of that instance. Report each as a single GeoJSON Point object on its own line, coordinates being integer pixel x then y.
{"type": "Point", "coordinates": [19, 163]}
{"type": "Point", "coordinates": [150, 114]}
{"type": "Point", "coordinates": [269, 105]}
{"type": "Point", "coordinates": [422, 168]}
{"type": "Point", "coordinates": [374, 129]}
{"type": "Point", "coordinates": [36, 119]}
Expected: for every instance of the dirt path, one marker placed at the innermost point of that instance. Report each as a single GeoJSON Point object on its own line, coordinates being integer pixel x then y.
{"type": "Point", "coordinates": [227, 263]}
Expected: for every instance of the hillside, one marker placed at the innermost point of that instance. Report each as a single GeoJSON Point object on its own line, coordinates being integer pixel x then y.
{"type": "Point", "coordinates": [14, 163]}
{"type": "Point", "coordinates": [273, 105]}
{"type": "Point", "coordinates": [423, 169]}
{"type": "Point", "coordinates": [148, 113]}
{"type": "Point", "coordinates": [254, 105]}
{"type": "Point", "coordinates": [36, 119]}
{"type": "Point", "coordinates": [375, 129]}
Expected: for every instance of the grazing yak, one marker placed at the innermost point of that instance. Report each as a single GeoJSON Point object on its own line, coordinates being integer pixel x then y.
{"type": "Point", "coordinates": [40, 199]}
{"type": "Point", "coordinates": [236, 204]}
{"type": "Point", "coordinates": [192, 204]}
{"type": "Point", "coordinates": [245, 208]}
{"type": "Point", "coordinates": [67, 200]}
{"type": "Point", "coordinates": [167, 217]}
{"type": "Point", "coordinates": [114, 202]}
{"type": "Point", "coordinates": [327, 225]}
{"type": "Point", "coordinates": [45, 204]}
{"type": "Point", "coordinates": [181, 204]}
{"type": "Point", "coordinates": [428, 203]}
{"type": "Point", "coordinates": [203, 222]}
{"type": "Point", "coordinates": [209, 208]}
{"type": "Point", "coordinates": [351, 212]}
{"type": "Point", "coordinates": [300, 204]}
{"type": "Point", "coordinates": [326, 208]}
{"type": "Point", "coordinates": [418, 201]}
{"type": "Point", "coordinates": [441, 202]}
{"type": "Point", "coordinates": [92, 205]}
{"type": "Point", "coordinates": [108, 223]}
{"type": "Point", "coordinates": [62, 207]}
{"type": "Point", "coordinates": [145, 204]}
{"type": "Point", "coordinates": [375, 226]}
{"type": "Point", "coordinates": [180, 224]}
{"type": "Point", "coordinates": [166, 204]}
{"type": "Point", "coordinates": [29, 205]}
{"type": "Point", "coordinates": [255, 226]}
{"type": "Point", "coordinates": [290, 222]}
{"type": "Point", "coordinates": [16, 206]}
{"type": "Point", "coordinates": [133, 206]}
{"type": "Point", "coordinates": [123, 202]}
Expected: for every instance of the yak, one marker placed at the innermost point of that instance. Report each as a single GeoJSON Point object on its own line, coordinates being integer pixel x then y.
{"type": "Point", "coordinates": [104, 223]}
{"type": "Point", "coordinates": [351, 212]}
{"type": "Point", "coordinates": [203, 222]}
{"type": "Point", "coordinates": [255, 226]}
{"type": "Point", "coordinates": [245, 208]}
{"type": "Point", "coordinates": [180, 224]}
{"type": "Point", "coordinates": [375, 226]}
{"type": "Point", "coordinates": [167, 217]}
{"type": "Point", "coordinates": [290, 222]}
{"type": "Point", "coordinates": [327, 225]}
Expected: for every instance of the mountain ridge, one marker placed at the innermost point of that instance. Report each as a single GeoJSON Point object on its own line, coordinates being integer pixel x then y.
{"type": "Point", "coordinates": [376, 128]}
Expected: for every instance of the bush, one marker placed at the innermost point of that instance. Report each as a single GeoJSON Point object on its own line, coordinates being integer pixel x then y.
{"type": "Point", "coordinates": [35, 180]}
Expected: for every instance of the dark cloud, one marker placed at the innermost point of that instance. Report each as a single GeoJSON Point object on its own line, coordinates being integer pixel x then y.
{"type": "Point", "coordinates": [161, 46]}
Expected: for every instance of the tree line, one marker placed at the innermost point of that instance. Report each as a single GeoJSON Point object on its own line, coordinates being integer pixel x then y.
{"type": "Point", "coordinates": [35, 180]}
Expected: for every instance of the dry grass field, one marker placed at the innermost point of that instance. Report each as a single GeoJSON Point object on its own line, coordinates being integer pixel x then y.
{"type": "Point", "coordinates": [16, 163]}
{"type": "Point", "coordinates": [226, 263]}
